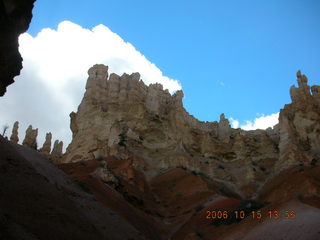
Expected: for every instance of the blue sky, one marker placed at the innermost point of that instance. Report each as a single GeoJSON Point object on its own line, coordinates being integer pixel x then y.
{"type": "Point", "coordinates": [252, 48]}
{"type": "Point", "coordinates": [234, 57]}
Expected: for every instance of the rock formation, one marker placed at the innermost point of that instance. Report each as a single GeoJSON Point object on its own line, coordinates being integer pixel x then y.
{"type": "Point", "coordinates": [56, 151]}
{"type": "Point", "coordinates": [139, 152]}
{"type": "Point", "coordinates": [299, 124]}
{"type": "Point", "coordinates": [46, 148]}
{"type": "Point", "coordinates": [120, 116]}
{"type": "Point", "coordinates": [30, 139]}
{"type": "Point", "coordinates": [15, 19]}
{"type": "Point", "coordinates": [14, 136]}
{"type": "Point", "coordinates": [165, 162]}
{"type": "Point", "coordinates": [224, 129]}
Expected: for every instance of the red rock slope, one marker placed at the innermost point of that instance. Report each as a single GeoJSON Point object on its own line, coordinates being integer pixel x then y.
{"type": "Point", "coordinates": [38, 201]}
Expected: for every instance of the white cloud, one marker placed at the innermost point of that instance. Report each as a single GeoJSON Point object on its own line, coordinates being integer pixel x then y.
{"type": "Point", "coordinates": [234, 123]}
{"type": "Point", "coordinates": [52, 82]}
{"type": "Point", "coordinates": [262, 122]}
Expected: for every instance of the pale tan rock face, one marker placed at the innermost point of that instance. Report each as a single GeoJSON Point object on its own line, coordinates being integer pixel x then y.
{"type": "Point", "coordinates": [46, 148]}
{"type": "Point", "coordinates": [14, 136]}
{"type": "Point", "coordinates": [300, 126]}
{"type": "Point", "coordinates": [122, 117]}
{"type": "Point", "coordinates": [30, 139]}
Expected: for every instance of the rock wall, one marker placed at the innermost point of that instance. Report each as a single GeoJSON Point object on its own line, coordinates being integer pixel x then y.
{"type": "Point", "coordinates": [299, 124]}
{"type": "Point", "coordinates": [120, 116]}
{"type": "Point", "coordinates": [15, 19]}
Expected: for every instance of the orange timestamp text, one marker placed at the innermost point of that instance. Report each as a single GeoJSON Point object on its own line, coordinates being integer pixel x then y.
{"type": "Point", "coordinates": [271, 214]}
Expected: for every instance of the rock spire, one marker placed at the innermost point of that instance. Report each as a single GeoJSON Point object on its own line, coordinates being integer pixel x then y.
{"type": "Point", "coordinates": [57, 151]}
{"type": "Point", "coordinates": [30, 139]}
{"type": "Point", "coordinates": [46, 148]}
{"type": "Point", "coordinates": [14, 136]}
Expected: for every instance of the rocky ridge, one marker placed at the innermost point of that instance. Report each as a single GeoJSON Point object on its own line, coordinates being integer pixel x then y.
{"type": "Point", "coordinates": [140, 154]}
{"type": "Point", "coordinates": [299, 124]}
{"type": "Point", "coordinates": [30, 140]}
{"type": "Point", "coordinates": [120, 116]}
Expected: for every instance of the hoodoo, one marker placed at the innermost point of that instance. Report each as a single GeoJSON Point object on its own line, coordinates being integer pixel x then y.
{"type": "Point", "coordinates": [120, 116]}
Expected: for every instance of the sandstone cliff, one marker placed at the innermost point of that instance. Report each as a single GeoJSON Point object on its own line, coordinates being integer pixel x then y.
{"type": "Point", "coordinates": [120, 116]}
{"type": "Point", "coordinates": [299, 124]}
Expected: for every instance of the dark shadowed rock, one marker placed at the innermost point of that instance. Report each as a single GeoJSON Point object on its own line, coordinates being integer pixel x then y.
{"type": "Point", "coordinates": [15, 17]}
{"type": "Point", "coordinates": [38, 201]}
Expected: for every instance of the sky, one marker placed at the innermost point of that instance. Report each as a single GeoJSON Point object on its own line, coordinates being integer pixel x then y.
{"type": "Point", "coordinates": [234, 57]}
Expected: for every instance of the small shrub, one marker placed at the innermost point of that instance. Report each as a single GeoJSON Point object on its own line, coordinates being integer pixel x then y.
{"type": "Point", "coordinates": [182, 167]}
{"type": "Point", "coordinates": [199, 207]}
{"type": "Point", "coordinates": [122, 140]}
{"type": "Point", "coordinates": [35, 146]}
{"type": "Point", "coordinates": [4, 130]}
{"type": "Point", "coordinates": [220, 166]}
{"type": "Point", "coordinates": [179, 195]}
{"type": "Point", "coordinates": [225, 191]}
{"type": "Point", "coordinates": [171, 186]}
{"type": "Point", "coordinates": [84, 186]}
{"type": "Point", "coordinates": [314, 162]}
{"type": "Point", "coordinates": [301, 169]}
{"type": "Point", "coordinates": [199, 234]}
{"type": "Point", "coordinates": [200, 174]}
{"type": "Point", "coordinates": [83, 163]}
{"type": "Point", "coordinates": [300, 196]}
{"type": "Point", "coordinates": [263, 169]}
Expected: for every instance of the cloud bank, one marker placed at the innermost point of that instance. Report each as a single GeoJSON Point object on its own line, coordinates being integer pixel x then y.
{"type": "Point", "coordinates": [262, 122]}
{"type": "Point", "coordinates": [52, 82]}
